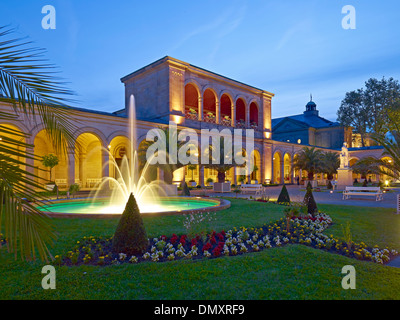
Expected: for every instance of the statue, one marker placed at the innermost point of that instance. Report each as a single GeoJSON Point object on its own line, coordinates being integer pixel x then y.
{"type": "Point", "coordinates": [344, 157]}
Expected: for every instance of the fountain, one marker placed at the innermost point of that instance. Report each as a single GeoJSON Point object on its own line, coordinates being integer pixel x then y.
{"type": "Point", "coordinates": [129, 180]}
{"type": "Point", "coordinates": [150, 196]}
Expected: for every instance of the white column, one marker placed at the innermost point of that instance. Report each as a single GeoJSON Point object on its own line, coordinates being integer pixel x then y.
{"type": "Point", "coordinates": [71, 166]}
{"type": "Point", "coordinates": [200, 108]}
{"type": "Point", "coordinates": [218, 112]}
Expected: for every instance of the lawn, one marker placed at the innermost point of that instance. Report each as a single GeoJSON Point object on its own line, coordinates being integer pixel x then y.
{"type": "Point", "coordinates": [289, 272]}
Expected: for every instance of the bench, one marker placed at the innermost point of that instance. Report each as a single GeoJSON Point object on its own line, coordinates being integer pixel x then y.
{"type": "Point", "coordinates": [93, 182]}
{"type": "Point", "coordinates": [253, 188]}
{"type": "Point", "coordinates": [61, 182]}
{"type": "Point", "coordinates": [363, 191]}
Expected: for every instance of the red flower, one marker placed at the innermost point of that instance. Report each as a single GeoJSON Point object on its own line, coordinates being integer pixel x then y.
{"type": "Point", "coordinates": [212, 240]}
{"type": "Point", "coordinates": [174, 238]}
{"type": "Point", "coordinates": [183, 240]}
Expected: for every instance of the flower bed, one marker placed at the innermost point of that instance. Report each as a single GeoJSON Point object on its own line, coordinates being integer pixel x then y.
{"type": "Point", "coordinates": [298, 230]}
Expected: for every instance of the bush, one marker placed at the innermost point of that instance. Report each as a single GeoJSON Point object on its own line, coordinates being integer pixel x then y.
{"type": "Point", "coordinates": [130, 236]}
{"type": "Point", "coordinates": [185, 190]}
{"type": "Point", "coordinates": [73, 188]}
{"type": "Point", "coordinates": [284, 196]}
{"type": "Point", "coordinates": [365, 183]}
{"type": "Point", "coordinates": [309, 201]}
{"type": "Point", "coordinates": [329, 185]}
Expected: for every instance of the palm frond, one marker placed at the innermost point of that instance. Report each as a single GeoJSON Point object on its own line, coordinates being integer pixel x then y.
{"type": "Point", "coordinates": [32, 86]}
{"type": "Point", "coordinates": [27, 229]}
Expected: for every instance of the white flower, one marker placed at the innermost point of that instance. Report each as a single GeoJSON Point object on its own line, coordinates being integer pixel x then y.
{"type": "Point", "coordinates": [171, 257]}
{"type": "Point", "coordinates": [122, 256]}
{"type": "Point", "coordinates": [180, 253]}
{"type": "Point", "coordinates": [146, 255]}
{"type": "Point", "coordinates": [133, 259]}
{"type": "Point", "coordinates": [155, 257]}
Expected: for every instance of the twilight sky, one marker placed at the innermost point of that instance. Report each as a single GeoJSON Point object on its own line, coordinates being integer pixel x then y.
{"type": "Point", "coordinates": [291, 48]}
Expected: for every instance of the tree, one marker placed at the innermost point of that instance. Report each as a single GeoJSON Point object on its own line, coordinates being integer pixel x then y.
{"type": "Point", "coordinates": [192, 167]}
{"type": "Point", "coordinates": [284, 196]}
{"type": "Point", "coordinates": [130, 237]}
{"type": "Point", "coordinates": [50, 161]}
{"type": "Point", "coordinates": [353, 113]}
{"type": "Point", "coordinates": [309, 201]}
{"type": "Point", "coordinates": [330, 163]}
{"type": "Point", "coordinates": [365, 166]}
{"type": "Point", "coordinates": [28, 83]}
{"type": "Point", "coordinates": [226, 160]}
{"type": "Point", "coordinates": [309, 159]}
{"type": "Point", "coordinates": [379, 97]}
{"type": "Point", "coordinates": [367, 109]}
{"type": "Point", "coordinates": [185, 190]}
{"type": "Point", "coordinates": [391, 144]}
{"type": "Point", "coordinates": [168, 167]}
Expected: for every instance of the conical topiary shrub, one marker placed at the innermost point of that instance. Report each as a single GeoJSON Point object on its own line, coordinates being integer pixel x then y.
{"type": "Point", "coordinates": [185, 190]}
{"type": "Point", "coordinates": [309, 202]}
{"type": "Point", "coordinates": [329, 185]}
{"type": "Point", "coordinates": [284, 196]}
{"type": "Point", "coordinates": [130, 236]}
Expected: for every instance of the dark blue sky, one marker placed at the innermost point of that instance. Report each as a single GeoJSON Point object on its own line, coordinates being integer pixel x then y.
{"type": "Point", "coordinates": [291, 48]}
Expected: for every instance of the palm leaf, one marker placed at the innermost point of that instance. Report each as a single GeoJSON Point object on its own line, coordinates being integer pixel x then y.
{"type": "Point", "coordinates": [31, 86]}
{"type": "Point", "coordinates": [27, 229]}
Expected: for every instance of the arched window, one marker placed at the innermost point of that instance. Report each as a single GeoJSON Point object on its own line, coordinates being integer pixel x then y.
{"type": "Point", "coordinates": [226, 110]}
{"type": "Point", "coordinates": [209, 106]}
{"type": "Point", "coordinates": [240, 113]}
{"type": "Point", "coordinates": [253, 115]}
{"type": "Point", "coordinates": [191, 102]}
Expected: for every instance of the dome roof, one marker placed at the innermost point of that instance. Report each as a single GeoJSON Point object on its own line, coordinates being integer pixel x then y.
{"type": "Point", "coordinates": [311, 105]}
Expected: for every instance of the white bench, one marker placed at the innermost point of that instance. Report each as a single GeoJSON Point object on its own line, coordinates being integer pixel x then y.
{"type": "Point", "coordinates": [93, 182]}
{"type": "Point", "coordinates": [61, 182]}
{"type": "Point", "coordinates": [253, 188]}
{"type": "Point", "coordinates": [363, 191]}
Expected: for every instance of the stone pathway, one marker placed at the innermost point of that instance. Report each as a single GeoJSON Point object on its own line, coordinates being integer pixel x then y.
{"type": "Point", "coordinates": [297, 193]}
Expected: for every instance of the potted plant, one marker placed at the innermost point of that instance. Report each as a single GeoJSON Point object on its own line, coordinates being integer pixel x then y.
{"type": "Point", "coordinates": [240, 123]}
{"type": "Point", "coordinates": [50, 161]}
{"type": "Point", "coordinates": [73, 189]}
{"type": "Point", "coordinates": [192, 182]}
{"type": "Point", "coordinates": [227, 120]}
{"type": "Point", "coordinates": [242, 179]}
{"type": "Point", "coordinates": [210, 181]}
{"type": "Point", "coordinates": [253, 125]}
{"type": "Point", "coordinates": [254, 174]}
